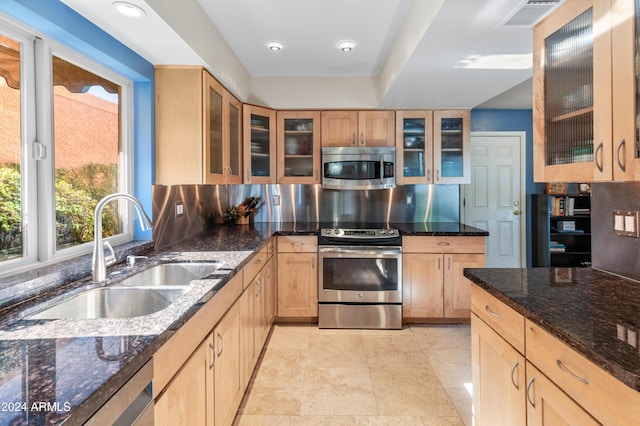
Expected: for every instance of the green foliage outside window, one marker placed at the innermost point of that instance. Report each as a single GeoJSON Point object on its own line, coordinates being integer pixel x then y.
{"type": "Point", "coordinates": [77, 193]}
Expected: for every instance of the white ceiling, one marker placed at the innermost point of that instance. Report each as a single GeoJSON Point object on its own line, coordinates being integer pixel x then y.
{"type": "Point", "coordinates": [409, 53]}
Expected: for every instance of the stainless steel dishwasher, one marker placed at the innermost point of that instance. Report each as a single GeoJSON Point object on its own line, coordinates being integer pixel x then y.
{"type": "Point", "coordinates": [132, 404]}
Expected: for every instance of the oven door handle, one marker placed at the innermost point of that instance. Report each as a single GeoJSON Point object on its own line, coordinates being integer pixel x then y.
{"type": "Point", "coordinates": [361, 250]}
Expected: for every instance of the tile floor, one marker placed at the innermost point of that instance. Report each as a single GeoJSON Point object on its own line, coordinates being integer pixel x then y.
{"type": "Point", "coordinates": [416, 376]}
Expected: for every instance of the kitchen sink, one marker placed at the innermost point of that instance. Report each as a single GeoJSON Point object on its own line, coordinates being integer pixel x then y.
{"type": "Point", "coordinates": [171, 274]}
{"type": "Point", "coordinates": [144, 293]}
{"type": "Point", "coordinates": [112, 302]}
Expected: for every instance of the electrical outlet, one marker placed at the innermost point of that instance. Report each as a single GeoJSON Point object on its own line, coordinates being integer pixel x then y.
{"type": "Point", "coordinates": [409, 201]}
{"type": "Point", "coordinates": [276, 200]}
{"type": "Point", "coordinates": [179, 208]}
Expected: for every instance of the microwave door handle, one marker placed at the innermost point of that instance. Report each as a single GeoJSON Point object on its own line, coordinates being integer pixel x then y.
{"type": "Point", "coordinates": [381, 169]}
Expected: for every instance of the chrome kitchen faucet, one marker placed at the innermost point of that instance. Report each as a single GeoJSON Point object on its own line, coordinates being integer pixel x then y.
{"type": "Point", "coordinates": [99, 262]}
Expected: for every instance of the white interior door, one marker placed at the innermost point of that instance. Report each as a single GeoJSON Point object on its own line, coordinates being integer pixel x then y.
{"type": "Point", "coordinates": [494, 201]}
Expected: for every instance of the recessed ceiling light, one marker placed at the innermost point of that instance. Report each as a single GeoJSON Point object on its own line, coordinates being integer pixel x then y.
{"type": "Point", "coordinates": [129, 9]}
{"type": "Point", "coordinates": [346, 45]}
{"type": "Point", "coordinates": [276, 46]}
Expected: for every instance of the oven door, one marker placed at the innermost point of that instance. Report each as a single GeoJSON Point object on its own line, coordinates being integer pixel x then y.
{"type": "Point", "coordinates": [360, 274]}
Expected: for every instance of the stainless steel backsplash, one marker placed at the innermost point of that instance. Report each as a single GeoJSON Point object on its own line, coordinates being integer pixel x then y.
{"type": "Point", "coordinates": [203, 206]}
{"type": "Point", "coordinates": [609, 252]}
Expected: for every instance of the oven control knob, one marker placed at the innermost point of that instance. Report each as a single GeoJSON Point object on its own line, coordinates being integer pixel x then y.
{"type": "Point", "coordinates": [383, 232]}
{"type": "Point", "coordinates": [360, 295]}
{"type": "Point", "coordinates": [336, 231]}
{"type": "Point", "coordinates": [327, 231]}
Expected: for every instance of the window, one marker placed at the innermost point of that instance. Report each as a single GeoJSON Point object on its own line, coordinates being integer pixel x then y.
{"type": "Point", "coordinates": [64, 145]}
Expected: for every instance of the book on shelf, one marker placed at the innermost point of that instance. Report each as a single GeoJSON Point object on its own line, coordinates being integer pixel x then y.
{"type": "Point", "coordinates": [560, 205]}
{"type": "Point", "coordinates": [556, 247]}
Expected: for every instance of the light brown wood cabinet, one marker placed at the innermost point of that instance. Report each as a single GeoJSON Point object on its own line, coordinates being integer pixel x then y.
{"type": "Point", "coordinates": [297, 277]}
{"type": "Point", "coordinates": [433, 146]}
{"type": "Point", "coordinates": [259, 133]}
{"type": "Point", "coordinates": [574, 94]}
{"type": "Point", "coordinates": [298, 147]}
{"type": "Point", "coordinates": [228, 374]}
{"type": "Point", "coordinates": [358, 128]}
{"type": "Point", "coordinates": [548, 405]}
{"type": "Point", "coordinates": [556, 386]}
{"type": "Point", "coordinates": [499, 382]}
{"type": "Point", "coordinates": [198, 125]}
{"type": "Point", "coordinates": [203, 381]}
{"type": "Point", "coordinates": [433, 284]}
{"type": "Point", "coordinates": [188, 398]}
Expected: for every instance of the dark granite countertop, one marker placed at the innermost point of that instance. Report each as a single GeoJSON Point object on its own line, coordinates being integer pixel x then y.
{"type": "Point", "coordinates": [584, 307]}
{"type": "Point", "coordinates": [63, 370]}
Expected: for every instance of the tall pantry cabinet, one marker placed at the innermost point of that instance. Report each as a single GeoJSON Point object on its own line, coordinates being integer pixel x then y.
{"type": "Point", "coordinates": [198, 125]}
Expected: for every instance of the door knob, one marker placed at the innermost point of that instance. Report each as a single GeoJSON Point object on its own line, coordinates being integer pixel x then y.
{"type": "Point", "coordinates": [516, 212]}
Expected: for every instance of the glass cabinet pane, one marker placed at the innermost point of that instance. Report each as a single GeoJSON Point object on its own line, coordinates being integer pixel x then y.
{"type": "Point", "coordinates": [414, 147]}
{"type": "Point", "coordinates": [260, 145]}
{"type": "Point", "coordinates": [298, 147]}
{"type": "Point", "coordinates": [637, 75]}
{"type": "Point", "coordinates": [451, 147]}
{"type": "Point", "coordinates": [215, 132]}
{"type": "Point", "coordinates": [234, 139]}
{"type": "Point", "coordinates": [568, 97]}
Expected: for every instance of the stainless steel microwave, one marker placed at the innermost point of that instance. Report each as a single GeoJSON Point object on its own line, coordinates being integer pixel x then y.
{"type": "Point", "coordinates": [359, 168]}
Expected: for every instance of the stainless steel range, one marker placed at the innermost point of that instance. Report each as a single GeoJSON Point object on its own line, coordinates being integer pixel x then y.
{"type": "Point", "coordinates": [360, 278]}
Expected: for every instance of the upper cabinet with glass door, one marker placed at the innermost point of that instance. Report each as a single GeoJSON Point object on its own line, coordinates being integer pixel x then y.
{"type": "Point", "coordinates": [451, 146]}
{"type": "Point", "coordinates": [414, 147]}
{"type": "Point", "coordinates": [259, 133]}
{"type": "Point", "coordinates": [572, 108]}
{"type": "Point", "coordinates": [625, 37]}
{"type": "Point", "coordinates": [197, 128]}
{"type": "Point", "coordinates": [298, 147]}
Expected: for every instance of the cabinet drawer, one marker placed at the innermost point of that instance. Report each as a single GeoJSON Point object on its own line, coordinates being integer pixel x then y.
{"type": "Point", "coordinates": [443, 244]}
{"type": "Point", "coordinates": [504, 320]}
{"type": "Point", "coordinates": [298, 244]}
{"type": "Point", "coordinates": [175, 352]}
{"type": "Point", "coordinates": [602, 395]}
{"type": "Point", "coordinates": [254, 266]}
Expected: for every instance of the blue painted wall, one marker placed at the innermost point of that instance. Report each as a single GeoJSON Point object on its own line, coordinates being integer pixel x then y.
{"type": "Point", "coordinates": [59, 22]}
{"type": "Point", "coordinates": [501, 120]}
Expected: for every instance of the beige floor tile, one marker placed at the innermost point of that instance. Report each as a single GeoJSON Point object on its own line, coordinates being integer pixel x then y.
{"type": "Point", "coordinates": [266, 400]}
{"type": "Point", "coordinates": [290, 336]}
{"type": "Point", "coordinates": [410, 391]}
{"type": "Point", "coordinates": [442, 421]}
{"type": "Point", "coordinates": [336, 350]}
{"type": "Point", "coordinates": [260, 420]}
{"type": "Point", "coordinates": [281, 368]}
{"type": "Point", "coordinates": [338, 391]}
{"type": "Point", "coordinates": [311, 376]}
{"type": "Point", "coordinates": [432, 337]}
{"type": "Point", "coordinates": [463, 402]}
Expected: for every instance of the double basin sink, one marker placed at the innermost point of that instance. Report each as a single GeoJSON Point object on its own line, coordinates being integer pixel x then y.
{"type": "Point", "coordinates": [144, 293]}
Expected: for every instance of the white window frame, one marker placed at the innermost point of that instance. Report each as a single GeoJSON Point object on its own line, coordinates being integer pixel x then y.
{"type": "Point", "coordinates": [38, 176]}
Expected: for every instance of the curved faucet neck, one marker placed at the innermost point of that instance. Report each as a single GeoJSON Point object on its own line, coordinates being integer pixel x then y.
{"type": "Point", "coordinates": [98, 262]}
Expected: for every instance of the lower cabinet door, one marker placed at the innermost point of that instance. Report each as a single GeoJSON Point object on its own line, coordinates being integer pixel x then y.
{"type": "Point", "coordinates": [457, 289]}
{"type": "Point", "coordinates": [498, 372]}
{"type": "Point", "coordinates": [188, 398]}
{"type": "Point", "coordinates": [229, 387]}
{"type": "Point", "coordinates": [297, 285]}
{"type": "Point", "coordinates": [422, 282]}
{"type": "Point", "coordinates": [549, 405]}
